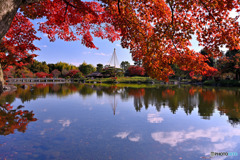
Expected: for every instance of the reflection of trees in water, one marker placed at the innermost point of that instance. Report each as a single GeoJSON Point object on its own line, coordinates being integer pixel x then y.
{"type": "Point", "coordinates": [86, 90]}
{"type": "Point", "coordinates": [227, 101]}
{"type": "Point", "coordinates": [14, 119]}
{"type": "Point", "coordinates": [42, 90]}
{"type": "Point", "coordinates": [206, 104]}
{"type": "Point", "coordinates": [187, 98]}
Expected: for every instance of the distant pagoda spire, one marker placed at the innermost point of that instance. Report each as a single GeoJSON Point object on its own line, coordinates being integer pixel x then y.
{"type": "Point", "coordinates": [114, 60]}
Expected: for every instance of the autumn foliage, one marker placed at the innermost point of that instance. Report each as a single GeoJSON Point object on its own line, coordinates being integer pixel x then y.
{"type": "Point", "coordinates": [43, 75]}
{"type": "Point", "coordinates": [73, 72]}
{"type": "Point", "coordinates": [18, 42]}
{"type": "Point", "coordinates": [157, 32]}
{"type": "Point", "coordinates": [136, 71]}
{"type": "Point", "coordinates": [14, 119]}
{"type": "Point", "coordinates": [136, 92]}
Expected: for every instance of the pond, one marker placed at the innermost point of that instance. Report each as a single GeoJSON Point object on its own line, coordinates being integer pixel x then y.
{"type": "Point", "coordinates": [100, 122]}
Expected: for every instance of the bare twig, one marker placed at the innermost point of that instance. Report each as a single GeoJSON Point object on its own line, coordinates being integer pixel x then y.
{"type": "Point", "coordinates": [204, 5]}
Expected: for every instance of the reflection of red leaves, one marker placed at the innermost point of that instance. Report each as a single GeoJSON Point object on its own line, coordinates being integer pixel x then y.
{"type": "Point", "coordinates": [168, 93]}
{"type": "Point", "coordinates": [192, 91]}
{"type": "Point", "coordinates": [137, 92]}
{"type": "Point", "coordinates": [73, 88]}
{"type": "Point", "coordinates": [41, 85]}
{"type": "Point", "coordinates": [12, 119]}
{"type": "Point", "coordinates": [209, 96]}
{"type": "Point", "coordinates": [114, 78]}
{"type": "Point", "coordinates": [113, 87]}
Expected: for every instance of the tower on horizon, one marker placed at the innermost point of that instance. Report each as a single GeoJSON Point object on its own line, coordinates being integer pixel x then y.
{"type": "Point", "coordinates": [114, 60]}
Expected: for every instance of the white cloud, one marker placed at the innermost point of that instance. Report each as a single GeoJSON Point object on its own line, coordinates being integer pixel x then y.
{"type": "Point", "coordinates": [45, 35]}
{"type": "Point", "coordinates": [75, 63]}
{"type": "Point", "coordinates": [154, 118]}
{"type": "Point", "coordinates": [221, 139]}
{"type": "Point", "coordinates": [135, 138]}
{"type": "Point", "coordinates": [118, 45]}
{"type": "Point", "coordinates": [86, 52]}
{"type": "Point", "coordinates": [65, 123]}
{"type": "Point", "coordinates": [122, 135]}
{"type": "Point", "coordinates": [47, 120]}
{"type": "Point", "coordinates": [95, 53]}
{"type": "Point", "coordinates": [100, 54]}
{"type": "Point", "coordinates": [44, 46]}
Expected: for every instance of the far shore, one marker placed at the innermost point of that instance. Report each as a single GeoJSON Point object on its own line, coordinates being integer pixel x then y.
{"type": "Point", "coordinates": [123, 80]}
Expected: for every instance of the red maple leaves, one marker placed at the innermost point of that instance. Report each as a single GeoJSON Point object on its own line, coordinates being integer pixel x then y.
{"type": "Point", "coordinates": [18, 42]}
{"type": "Point", "coordinates": [136, 71]}
{"type": "Point", "coordinates": [157, 32]}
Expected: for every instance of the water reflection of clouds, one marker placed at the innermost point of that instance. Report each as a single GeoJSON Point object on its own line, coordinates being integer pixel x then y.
{"type": "Point", "coordinates": [154, 118]}
{"type": "Point", "coordinates": [42, 132]}
{"type": "Point", "coordinates": [215, 134]}
{"type": "Point", "coordinates": [124, 135]}
{"type": "Point", "coordinates": [134, 138]}
{"type": "Point", "coordinates": [65, 123]}
{"type": "Point", "coordinates": [222, 139]}
{"type": "Point", "coordinates": [47, 120]}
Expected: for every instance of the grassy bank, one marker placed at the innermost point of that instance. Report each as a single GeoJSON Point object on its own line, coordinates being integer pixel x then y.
{"type": "Point", "coordinates": [134, 80]}
{"type": "Point", "coordinates": [122, 80]}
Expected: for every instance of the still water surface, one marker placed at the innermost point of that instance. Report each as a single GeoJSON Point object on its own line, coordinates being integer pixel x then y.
{"type": "Point", "coordinates": [74, 122]}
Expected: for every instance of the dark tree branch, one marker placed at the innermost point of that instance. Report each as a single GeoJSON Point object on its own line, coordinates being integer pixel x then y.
{"type": "Point", "coordinates": [65, 12]}
{"type": "Point", "coordinates": [68, 3]}
{"type": "Point", "coordinates": [29, 1]}
{"type": "Point", "coordinates": [173, 26]}
{"type": "Point", "coordinates": [119, 7]}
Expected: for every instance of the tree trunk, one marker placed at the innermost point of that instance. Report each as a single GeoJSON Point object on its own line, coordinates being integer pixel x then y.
{"type": "Point", "coordinates": [8, 9]}
{"type": "Point", "coordinates": [1, 79]}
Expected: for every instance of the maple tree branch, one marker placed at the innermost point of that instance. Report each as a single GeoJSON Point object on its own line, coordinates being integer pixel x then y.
{"type": "Point", "coordinates": [65, 12]}
{"type": "Point", "coordinates": [68, 3]}
{"type": "Point", "coordinates": [204, 5]}
{"type": "Point", "coordinates": [173, 26]}
{"type": "Point", "coordinates": [119, 7]}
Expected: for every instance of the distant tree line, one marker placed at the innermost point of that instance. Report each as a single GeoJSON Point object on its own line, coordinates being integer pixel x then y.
{"type": "Point", "coordinates": [42, 69]}
{"type": "Point", "coordinates": [227, 67]}
{"type": "Point", "coordinates": [65, 70]}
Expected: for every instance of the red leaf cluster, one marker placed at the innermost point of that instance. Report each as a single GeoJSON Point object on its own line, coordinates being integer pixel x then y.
{"type": "Point", "coordinates": [18, 42]}
{"type": "Point", "coordinates": [136, 71]}
{"type": "Point", "coordinates": [43, 75]}
{"type": "Point", "coordinates": [72, 72]}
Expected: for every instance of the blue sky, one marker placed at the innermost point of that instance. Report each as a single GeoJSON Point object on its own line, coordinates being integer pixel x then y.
{"type": "Point", "coordinates": [75, 53]}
